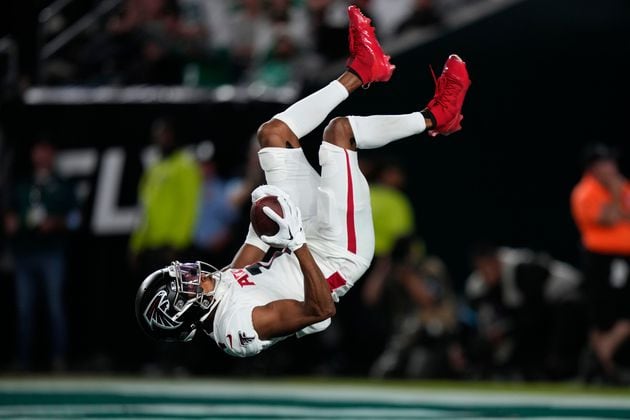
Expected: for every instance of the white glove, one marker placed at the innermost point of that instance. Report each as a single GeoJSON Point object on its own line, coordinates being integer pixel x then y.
{"type": "Point", "coordinates": [266, 190]}
{"type": "Point", "coordinates": [291, 233]}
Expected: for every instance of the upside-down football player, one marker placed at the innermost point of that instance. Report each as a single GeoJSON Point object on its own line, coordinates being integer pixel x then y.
{"type": "Point", "coordinates": [325, 230]}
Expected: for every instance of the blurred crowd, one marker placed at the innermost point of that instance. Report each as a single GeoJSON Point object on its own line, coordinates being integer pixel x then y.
{"type": "Point", "coordinates": [215, 42]}
{"type": "Point", "coordinates": [520, 314]}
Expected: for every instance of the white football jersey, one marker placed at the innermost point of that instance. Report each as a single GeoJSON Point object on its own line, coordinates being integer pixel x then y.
{"type": "Point", "coordinates": [252, 286]}
{"type": "Point", "coordinates": [337, 220]}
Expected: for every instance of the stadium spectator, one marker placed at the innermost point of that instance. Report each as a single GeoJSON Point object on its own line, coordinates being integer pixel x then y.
{"type": "Point", "coordinates": [390, 14]}
{"type": "Point", "coordinates": [218, 210]}
{"type": "Point", "coordinates": [393, 219]}
{"type": "Point", "coordinates": [206, 23]}
{"type": "Point", "coordinates": [278, 68]}
{"type": "Point", "coordinates": [192, 30]}
{"type": "Point", "coordinates": [291, 19]}
{"type": "Point", "coordinates": [252, 176]}
{"type": "Point", "coordinates": [147, 37]}
{"type": "Point", "coordinates": [329, 28]}
{"type": "Point", "coordinates": [212, 17]}
{"type": "Point", "coordinates": [601, 207]}
{"type": "Point", "coordinates": [168, 195]}
{"type": "Point", "coordinates": [211, 43]}
{"type": "Point", "coordinates": [169, 198]}
{"type": "Point", "coordinates": [251, 36]}
{"type": "Point", "coordinates": [291, 55]}
{"type": "Point", "coordinates": [422, 313]}
{"type": "Point", "coordinates": [279, 11]}
{"type": "Point", "coordinates": [42, 210]}
{"type": "Point", "coordinates": [528, 313]}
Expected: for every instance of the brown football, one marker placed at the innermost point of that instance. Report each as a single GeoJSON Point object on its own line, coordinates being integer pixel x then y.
{"type": "Point", "coordinates": [262, 224]}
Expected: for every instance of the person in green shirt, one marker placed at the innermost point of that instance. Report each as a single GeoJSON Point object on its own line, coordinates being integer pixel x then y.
{"type": "Point", "coordinates": [391, 209]}
{"type": "Point", "coordinates": [392, 214]}
{"type": "Point", "coordinates": [168, 195]}
{"type": "Point", "coordinates": [42, 210]}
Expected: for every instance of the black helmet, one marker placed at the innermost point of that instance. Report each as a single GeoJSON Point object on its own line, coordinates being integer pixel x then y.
{"type": "Point", "coordinates": [170, 302]}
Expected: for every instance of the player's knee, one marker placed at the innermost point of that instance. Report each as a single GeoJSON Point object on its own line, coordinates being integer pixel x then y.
{"type": "Point", "coordinates": [268, 134]}
{"type": "Point", "coordinates": [275, 133]}
{"type": "Point", "coordinates": [339, 132]}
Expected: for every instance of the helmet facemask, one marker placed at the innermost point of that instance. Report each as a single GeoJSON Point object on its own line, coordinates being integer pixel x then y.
{"type": "Point", "coordinates": [187, 285]}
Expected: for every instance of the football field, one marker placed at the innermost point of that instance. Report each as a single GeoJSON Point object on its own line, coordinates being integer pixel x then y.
{"type": "Point", "coordinates": [63, 398]}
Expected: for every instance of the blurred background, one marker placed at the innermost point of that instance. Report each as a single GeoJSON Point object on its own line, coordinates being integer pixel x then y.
{"type": "Point", "coordinates": [503, 251]}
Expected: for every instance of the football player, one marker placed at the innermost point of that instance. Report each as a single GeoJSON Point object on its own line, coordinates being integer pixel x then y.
{"type": "Point", "coordinates": [325, 231]}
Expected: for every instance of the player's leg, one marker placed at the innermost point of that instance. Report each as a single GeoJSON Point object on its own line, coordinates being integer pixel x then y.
{"type": "Point", "coordinates": [344, 241]}
{"type": "Point", "coordinates": [441, 116]}
{"type": "Point", "coordinates": [281, 157]}
{"type": "Point", "coordinates": [345, 235]}
{"type": "Point", "coordinates": [344, 212]}
{"type": "Point", "coordinates": [286, 128]}
{"type": "Point", "coordinates": [367, 63]}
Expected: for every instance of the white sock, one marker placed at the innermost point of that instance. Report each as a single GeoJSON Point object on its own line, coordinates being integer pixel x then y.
{"type": "Point", "coordinates": [378, 130]}
{"type": "Point", "coordinates": [306, 114]}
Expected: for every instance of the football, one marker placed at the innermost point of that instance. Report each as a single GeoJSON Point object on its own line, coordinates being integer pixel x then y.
{"type": "Point", "coordinates": [262, 224]}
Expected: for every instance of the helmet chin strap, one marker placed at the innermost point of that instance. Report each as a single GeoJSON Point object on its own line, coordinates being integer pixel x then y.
{"type": "Point", "coordinates": [187, 305]}
{"type": "Point", "coordinates": [218, 283]}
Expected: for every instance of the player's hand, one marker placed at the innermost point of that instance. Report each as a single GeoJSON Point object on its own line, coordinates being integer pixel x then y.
{"type": "Point", "coordinates": [291, 232]}
{"type": "Point", "coordinates": [267, 190]}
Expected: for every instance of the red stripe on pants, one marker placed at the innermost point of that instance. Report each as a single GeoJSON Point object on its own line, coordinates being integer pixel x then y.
{"type": "Point", "coordinates": [335, 281]}
{"type": "Point", "coordinates": [352, 235]}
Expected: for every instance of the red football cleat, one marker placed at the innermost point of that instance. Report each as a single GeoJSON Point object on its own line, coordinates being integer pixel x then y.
{"type": "Point", "coordinates": [450, 91]}
{"type": "Point", "coordinates": [367, 59]}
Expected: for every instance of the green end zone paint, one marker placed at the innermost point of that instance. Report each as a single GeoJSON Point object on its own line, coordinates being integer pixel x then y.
{"type": "Point", "coordinates": [300, 399]}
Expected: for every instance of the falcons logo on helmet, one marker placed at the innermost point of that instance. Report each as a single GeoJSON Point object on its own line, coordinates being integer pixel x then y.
{"type": "Point", "coordinates": [156, 313]}
{"type": "Point", "coordinates": [244, 339]}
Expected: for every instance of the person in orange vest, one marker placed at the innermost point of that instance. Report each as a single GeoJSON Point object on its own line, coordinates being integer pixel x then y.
{"type": "Point", "coordinates": [600, 203]}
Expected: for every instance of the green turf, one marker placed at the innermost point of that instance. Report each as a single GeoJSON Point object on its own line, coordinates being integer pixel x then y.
{"type": "Point", "coordinates": [301, 398]}
{"type": "Point", "coordinates": [559, 388]}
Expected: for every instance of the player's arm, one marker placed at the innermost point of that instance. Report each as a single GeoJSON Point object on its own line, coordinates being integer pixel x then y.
{"type": "Point", "coordinates": [609, 215]}
{"type": "Point", "coordinates": [246, 255]}
{"type": "Point", "coordinates": [285, 317]}
{"type": "Point", "coordinates": [591, 210]}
